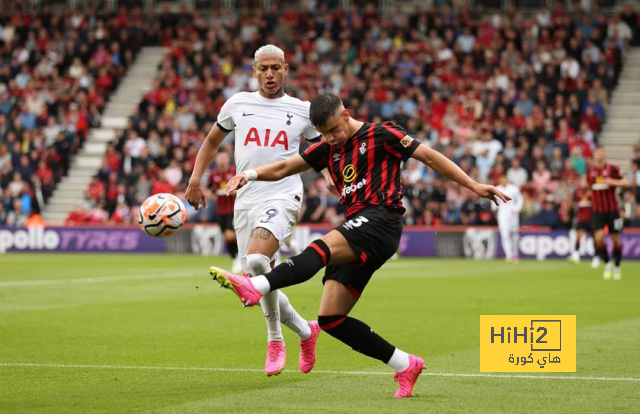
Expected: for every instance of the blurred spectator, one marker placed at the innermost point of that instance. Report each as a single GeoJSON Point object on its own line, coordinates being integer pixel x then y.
{"type": "Point", "coordinates": [547, 217]}
{"type": "Point", "coordinates": [161, 185]}
{"type": "Point", "coordinates": [3, 215]}
{"type": "Point", "coordinates": [636, 221]}
{"type": "Point", "coordinates": [578, 162]}
{"type": "Point", "coordinates": [541, 176]}
{"type": "Point", "coordinates": [17, 217]}
{"type": "Point", "coordinates": [97, 215]}
{"type": "Point", "coordinates": [77, 216]}
{"type": "Point", "coordinates": [634, 179]}
{"type": "Point", "coordinates": [314, 207]}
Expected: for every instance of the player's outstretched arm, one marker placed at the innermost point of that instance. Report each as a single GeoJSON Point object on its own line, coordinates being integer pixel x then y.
{"type": "Point", "coordinates": [619, 182]}
{"type": "Point", "coordinates": [449, 169]}
{"type": "Point", "coordinates": [206, 154]}
{"type": "Point", "coordinates": [270, 172]}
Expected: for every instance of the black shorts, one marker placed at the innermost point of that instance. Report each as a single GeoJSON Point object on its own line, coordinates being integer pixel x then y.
{"type": "Point", "coordinates": [374, 233]}
{"type": "Point", "coordinates": [611, 220]}
{"type": "Point", "coordinates": [582, 225]}
{"type": "Point", "coordinates": [226, 222]}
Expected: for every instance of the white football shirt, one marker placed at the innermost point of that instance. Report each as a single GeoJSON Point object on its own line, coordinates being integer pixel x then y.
{"type": "Point", "coordinates": [266, 131]}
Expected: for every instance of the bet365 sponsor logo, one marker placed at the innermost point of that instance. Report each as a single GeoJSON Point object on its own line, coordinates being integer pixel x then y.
{"type": "Point", "coordinates": [527, 343]}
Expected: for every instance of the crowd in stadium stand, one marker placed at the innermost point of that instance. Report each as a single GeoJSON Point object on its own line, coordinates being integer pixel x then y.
{"type": "Point", "coordinates": [494, 91]}
{"type": "Point", "coordinates": [56, 73]}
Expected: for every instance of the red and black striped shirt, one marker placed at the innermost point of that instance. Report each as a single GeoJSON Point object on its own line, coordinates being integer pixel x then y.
{"type": "Point", "coordinates": [582, 198]}
{"type": "Point", "coordinates": [604, 195]}
{"type": "Point", "coordinates": [219, 182]}
{"type": "Point", "coordinates": [366, 170]}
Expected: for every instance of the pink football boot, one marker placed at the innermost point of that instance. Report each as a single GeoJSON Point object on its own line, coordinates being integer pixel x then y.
{"type": "Point", "coordinates": [240, 285]}
{"type": "Point", "coordinates": [407, 379]}
{"type": "Point", "coordinates": [276, 358]}
{"type": "Point", "coordinates": [308, 348]}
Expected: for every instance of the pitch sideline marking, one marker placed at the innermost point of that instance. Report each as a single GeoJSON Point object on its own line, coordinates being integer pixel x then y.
{"type": "Point", "coordinates": [431, 374]}
{"type": "Point", "coordinates": [192, 273]}
{"type": "Point", "coordinates": [97, 279]}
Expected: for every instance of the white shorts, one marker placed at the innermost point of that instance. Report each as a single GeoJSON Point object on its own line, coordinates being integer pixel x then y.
{"type": "Point", "coordinates": [509, 224]}
{"type": "Point", "coordinates": [277, 216]}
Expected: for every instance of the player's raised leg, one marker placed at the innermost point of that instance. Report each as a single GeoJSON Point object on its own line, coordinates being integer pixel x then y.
{"type": "Point", "coordinates": [296, 270]}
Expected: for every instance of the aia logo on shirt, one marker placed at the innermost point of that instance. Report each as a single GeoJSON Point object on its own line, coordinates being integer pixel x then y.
{"type": "Point", "coordinates": [269, 139]}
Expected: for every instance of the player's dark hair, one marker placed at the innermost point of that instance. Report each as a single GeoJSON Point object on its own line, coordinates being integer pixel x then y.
{"type": "Point", "coordinates": [323, 107]}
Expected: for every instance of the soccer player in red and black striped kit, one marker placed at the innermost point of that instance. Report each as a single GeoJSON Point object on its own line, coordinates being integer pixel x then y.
{"type": "Point", "coordinates": [364, 161]}
{"type": "Point", "coordinates": [604, 178]}
{"type": "Point", "coordinates": [220, 176]}
{"type": "Point", "coordinates": [582, 221]}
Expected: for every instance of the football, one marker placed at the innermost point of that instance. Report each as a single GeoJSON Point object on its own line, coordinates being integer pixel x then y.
{"type": "Point", "coordinates": [162, 215]}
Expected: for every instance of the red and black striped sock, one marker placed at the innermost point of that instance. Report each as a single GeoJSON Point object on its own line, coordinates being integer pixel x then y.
{"type": "Point", "coordinates": [300, 268]}
{"type": "Point", "coordinates": [358, 335]}
{"type": "Point", "coordinates": [617, 254]}
{"type": "Point", "coordinates": [603, 253]}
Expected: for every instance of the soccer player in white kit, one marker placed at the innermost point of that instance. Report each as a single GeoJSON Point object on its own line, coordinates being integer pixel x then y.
{"type": "Point", "coordinates": [509, 218]}
{"type": "Point", "coordinates": [268, 127]}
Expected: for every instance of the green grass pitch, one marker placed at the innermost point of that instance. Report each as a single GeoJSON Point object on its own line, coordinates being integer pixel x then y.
{"type": "Point", "coordinates": [153, 334]}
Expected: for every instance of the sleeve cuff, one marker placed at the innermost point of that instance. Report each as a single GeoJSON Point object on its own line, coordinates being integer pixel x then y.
{"type": "Point", "coordinates": [306, 159]}
{"type": "Point", "coordinates": [223, 128]}
{"type": "Point", "coordinates": [408, 152]}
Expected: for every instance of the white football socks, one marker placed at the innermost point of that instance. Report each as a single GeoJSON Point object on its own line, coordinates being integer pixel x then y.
{"type": "Point", "coordinates": [271, 310]}
{"type": "Point", "coordinates": [276, 309]}
{"type": "Point", "coordinates": [399, 360]}
{"type": "Point", "coordinates": [261, 284]}
{"type": "Point", "coordinates": [258, 264]}
{"type": "Point", "coordinates": [292, 319]}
